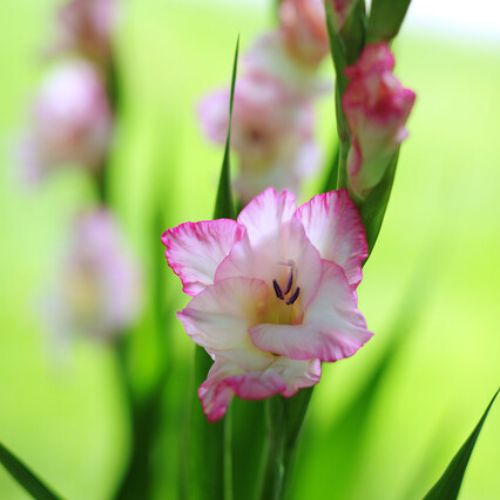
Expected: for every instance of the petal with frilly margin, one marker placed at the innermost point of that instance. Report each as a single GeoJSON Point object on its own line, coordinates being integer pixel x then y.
{"type": "Point", "coordinates": [219, 317]}
{"type": "Point", "coordinates": [194, 250]}
{"type": "Point", "coordinates": [266, 214]}
{"type": "Point", "coordinates": [226, 379]}
{"type": "Point", "coordinates": [333, 328]}
{"type": "Point", "coordinates": [333, 225]}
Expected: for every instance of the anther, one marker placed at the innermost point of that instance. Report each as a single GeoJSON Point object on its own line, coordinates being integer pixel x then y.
{"type": "Point", "coordinates": [294, 297]}
{"type": "Point", "coordinates": [278, 290]}
{"type": "Point", "coordinates": [290, 283]}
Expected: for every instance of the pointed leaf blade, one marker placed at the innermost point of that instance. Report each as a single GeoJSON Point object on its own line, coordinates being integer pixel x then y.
{"type": "Point", "coordinates": [448, 486]}
{"type": "Point", "coordinates": [224, 204]}
{"type": "Point", "coordinates": [25, 477]}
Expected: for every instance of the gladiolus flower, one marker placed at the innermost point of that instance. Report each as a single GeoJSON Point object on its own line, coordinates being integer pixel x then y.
{"type": "Point", "coordinates": [270, 56]}
{"type": "Point", "coordinates": [376, 106]}
{"type": "Point", "coordinates": [97, 287]}
{"type": "Point", "coordinates": [303, 27]}
{"type": "Point", "coordinates": [71, 121]}
{"type": "Point", "coordinates": [274, 293]}
{"type": "Point", "coordinates": [85, 27]}
{"type": "Point", "coordinates": [272, 132]}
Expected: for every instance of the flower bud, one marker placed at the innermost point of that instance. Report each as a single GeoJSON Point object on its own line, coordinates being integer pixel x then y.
{"type": "Point", "coordinates": [303, 27]}
{"type": "Point", "coordinates": [272, 132]}
{"type": "Point", "coordinates": [97, 286]}
{"type": "Point", "coordinates": [376, 107]}
{"type": "Point", "coordinates": [341, 9]}
{"type": "Point", "coordinates": [71, 121]}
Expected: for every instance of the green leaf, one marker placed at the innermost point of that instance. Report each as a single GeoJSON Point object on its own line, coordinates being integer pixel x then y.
{"type": "Point", "coordinates": [386, 17]}
{"type": "Point", "coordinates": [448, 486]}
{"type": "Point", "coordinates": [373, 208]}
{"type": "Point", "coordinates": [25, 477]}
{"type": "Point", "coordinates": [224, 203]}
{"type": "Point", "coordinates": [332, 174]}
{"type": "Point", "coordinates": [209, 447]}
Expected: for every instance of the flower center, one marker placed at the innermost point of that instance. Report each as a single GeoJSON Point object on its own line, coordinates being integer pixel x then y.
{"type": "Point", "coordinates": [286, 309]}
{"type": "Point", "coordinates": [286, 294]}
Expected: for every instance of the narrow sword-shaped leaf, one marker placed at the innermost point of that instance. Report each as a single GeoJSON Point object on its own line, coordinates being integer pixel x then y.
{"type": "Point", "coordinates": [448, 486]}
{"type": "Point", "coordinates": [25, 477]}
{"type": "Point", "coordinates": [209, 442]}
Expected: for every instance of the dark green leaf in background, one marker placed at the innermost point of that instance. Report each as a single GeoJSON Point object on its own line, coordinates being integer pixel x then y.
{"type": "Point", "coordinates": [448, 486]}
{"type": "Point", "coordinates": [25, 477]}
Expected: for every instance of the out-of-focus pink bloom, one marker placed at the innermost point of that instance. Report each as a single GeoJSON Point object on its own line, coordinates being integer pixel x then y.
{"type": "Point", "coordinates": [274, 293]}
{"type": "Point", "coordinates": [376, 106]}
{"type": "Point", "coordinates": [272, 132]}
{"type": "Point", "coordinates": [97, 287]}
{"type": "Point", "coordinates": [70, 123]}
{"type": "Point", "coordinates": [303, 27]}
{"type": "Point", "coordinates": [341, 9]}
{"type": "Point", "coordinates": [85, 27]}
{"type": "Point", "coordinates": [269, 56]}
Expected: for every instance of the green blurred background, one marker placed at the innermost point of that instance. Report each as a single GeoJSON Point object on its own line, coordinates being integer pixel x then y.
{"type": "Point", "coordinates": [432, 281]}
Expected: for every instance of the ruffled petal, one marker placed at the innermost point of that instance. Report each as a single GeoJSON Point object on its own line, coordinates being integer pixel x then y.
{"type": "Point", "coordinates": [333, 225]}
{"type": "Point", "coordinates": [226, 379]}
{"type": "Point", "coordinates": [332, 329]}
{"type": "Point", "coordinates": [219, 317]}
{"type": "Point", "coordinates": [286, 251]}
{"type": "Point", "coordinates": [194, 250]}
{"type": "Point", "coordinates": [266, 214]}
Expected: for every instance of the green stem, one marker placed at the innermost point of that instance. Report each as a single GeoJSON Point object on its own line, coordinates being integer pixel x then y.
{"type": "Point", "coordinates": [285, 418]}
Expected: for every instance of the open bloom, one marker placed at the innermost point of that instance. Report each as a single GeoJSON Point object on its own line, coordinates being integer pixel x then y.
{"type": "Point", "coordinates": [97, 287]}
{"type": "Point", "coordinates": [273, 293]}
{"type": "Point", "coordinates": [303, 27]}
{"type": "Point", "coordinates": [272, 132]}
{"type": "Point", "coordinates": [376, 106]}
{"type": "Point", "coordinates": [85, 27]}
{"type": "Point", "coordinates": [70, 123]}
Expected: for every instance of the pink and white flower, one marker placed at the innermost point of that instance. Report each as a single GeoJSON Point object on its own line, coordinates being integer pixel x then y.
{"type": "Point", "coordinates": [274, 293]}
{"type": "Point", "coordinates": [272, 132]}
{"type": "Point", "coordinates": [97, 287]}
{"type": "Point", "coordinates": [85, 27]}
{"type": "Point", "coordinates": [70, 123]}
{"type": "Point", "coordinates": [269, 55]}
{"type": "Point", "coordinates": [376, 106]}
{"type": "Point", "coordinates": [302, 25]}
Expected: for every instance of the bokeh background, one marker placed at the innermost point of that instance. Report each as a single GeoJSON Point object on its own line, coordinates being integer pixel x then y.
{"type": "Point", "coordinates": [432, 283]}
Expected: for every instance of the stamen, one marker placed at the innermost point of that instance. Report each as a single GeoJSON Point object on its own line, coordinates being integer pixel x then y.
{"type": "Point", "coordinates": [290, 283]}
{"type": "Point", "coordinates": [294, 297]}
{"type": "Point", "coordinates": [278, 291]}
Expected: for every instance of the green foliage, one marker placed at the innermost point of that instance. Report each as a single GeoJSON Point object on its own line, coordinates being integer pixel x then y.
{"type": "Point", "coordinates": [373, 208]}
{"type": "Point", "coordinates": [25, 477]}
{"type": "Point", "coordinates": [448, 486]}
{"type": "Point", "coordinates": [386, 18]}
{"type": "Point", "coordinates": [209, 441]}
{"type": "Point", "coordinates": [224, 203]}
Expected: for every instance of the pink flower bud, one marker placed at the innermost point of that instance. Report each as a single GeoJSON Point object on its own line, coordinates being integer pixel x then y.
{"type": "Point", "coordinates": [71, 121]}
{"type": "Point", "coordinates": [376, 106]}
{"type": "Point", "coordinates": [341, 9]}
{"type": "Point", "coordinates": [272, 132]}
{"type": "Point", "coordinates": [303, 27]}
{"type": "Point", "coordinates": [85, 27]}
{"type": "Point", "coordinates": [97, 287]}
